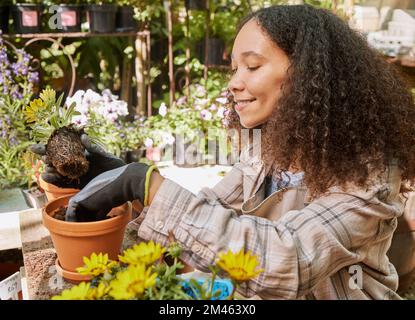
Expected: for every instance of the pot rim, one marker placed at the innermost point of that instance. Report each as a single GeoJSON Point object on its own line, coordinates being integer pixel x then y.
{"type": "Point", "coordinates": [54, 189]}
{"type": "Point", "coordinates": [84, 229]}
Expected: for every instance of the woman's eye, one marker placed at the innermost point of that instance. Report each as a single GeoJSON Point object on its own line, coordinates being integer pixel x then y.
{"type": "Point", "coordinates": [253, 68]}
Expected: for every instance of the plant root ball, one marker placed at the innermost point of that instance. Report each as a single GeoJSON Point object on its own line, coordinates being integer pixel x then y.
{"type": "Point", "coordinates": [66, 152]}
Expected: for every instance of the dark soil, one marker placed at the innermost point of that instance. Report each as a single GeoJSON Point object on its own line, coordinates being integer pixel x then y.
{"type": "Point", "coordinates": [66, 152]}
{"type": "Point", "coordinates": [59, 213]}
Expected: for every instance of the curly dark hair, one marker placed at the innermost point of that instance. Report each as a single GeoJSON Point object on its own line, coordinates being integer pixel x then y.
{"type": "Point", "coordinates": [344, 112]}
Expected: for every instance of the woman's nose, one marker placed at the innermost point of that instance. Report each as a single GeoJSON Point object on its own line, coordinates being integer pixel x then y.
{"type": "Point", "coordinates": [236, 84]}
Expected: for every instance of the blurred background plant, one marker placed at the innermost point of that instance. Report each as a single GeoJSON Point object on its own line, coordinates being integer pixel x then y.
{"type": "Point", "coordinates": [17, 84]}
{"type": "Point", "coordinates": [104, 116]}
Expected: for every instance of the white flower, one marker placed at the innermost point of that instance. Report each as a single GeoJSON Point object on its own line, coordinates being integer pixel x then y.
{"type": "Point", "coordinates": [221, 112]}
{"type": "Point", "coordinates": [80, 120]}
{"type": "Point", "coordinates": [121, 107]}
{"type": "Point", "coordinates": [206, 115]}
{"type": "Point", "coordinates": [167, 138]}
{"type": "Point", "coordinates": [181, 100]}
{"type": "Point", "coordinates": [148, 142]}
{"type": "Point", "coordinates": [77, 98]}
{"type": "Point", "coordinates": [202, 102]}
{"type": "Point", "coordinates": [163, 109]}
{"type": "Point", "coordinates": [92, 96]}
{"type": "Point", "coordinates": [200, 90]}
{"type": "Point", "coordinates": [213, 107]}
{"type": "Point", "coordinates": [106, 93]}
{"type": "Point", "coordinates": [222, 100]}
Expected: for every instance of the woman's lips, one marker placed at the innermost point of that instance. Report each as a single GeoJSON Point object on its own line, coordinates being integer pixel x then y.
{"type": "Point", "coordinates": [240, 105]}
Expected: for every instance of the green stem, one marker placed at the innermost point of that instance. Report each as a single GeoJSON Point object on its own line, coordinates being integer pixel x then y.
{"type": "Point", "coordinates": [211, 284]}
{"type": "Point", "coordinates": [232, 296]}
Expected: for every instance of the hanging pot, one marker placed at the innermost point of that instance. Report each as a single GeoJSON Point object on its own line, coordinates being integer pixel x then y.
{"type": "Point", "coordinates": [4, 18]}
{"type": "Point", "coordinates": [102, 18]}
{"type": "Point", "coordinates": [195, 4]}
{"type": "Point", "coordinates": [27, 18]}
{"type": "Point", "coordinates": [125, 19]}
{"type": "Point", "coordinates": [70, 16]}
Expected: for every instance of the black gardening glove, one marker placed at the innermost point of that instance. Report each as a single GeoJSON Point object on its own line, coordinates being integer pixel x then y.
{"type": "Point", "coordinates": [99, 162]}
{"type": "Point", "coordinates": [109, 190]}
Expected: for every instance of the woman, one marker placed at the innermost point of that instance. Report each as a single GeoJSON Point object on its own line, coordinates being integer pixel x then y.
{"type": "Point", "coordinates": [319, 209]}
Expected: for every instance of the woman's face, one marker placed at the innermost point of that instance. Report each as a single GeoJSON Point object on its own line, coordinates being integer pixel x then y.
{"type": "Point", "coordinates": [259, 68]}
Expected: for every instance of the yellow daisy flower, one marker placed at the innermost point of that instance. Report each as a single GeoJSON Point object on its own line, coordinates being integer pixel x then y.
{"type": "Point", "coordinates": [240, 266]}
{"type": "Point", "coordinates": [31, 111]}
{"type": "Point", "coordinates": [97, 293]}
{"type": "Point", "coordinates": [146, 253]}
{"type": "Point", "coordinates": [96, 265]}
{"type": "Point", "coordinates": [132, 282]}
{"type": "Point", "coordinates": [79, 292]}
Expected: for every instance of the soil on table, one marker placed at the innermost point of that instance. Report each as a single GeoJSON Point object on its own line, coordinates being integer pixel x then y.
{"type": "Point", "coordinates": [66, 152]}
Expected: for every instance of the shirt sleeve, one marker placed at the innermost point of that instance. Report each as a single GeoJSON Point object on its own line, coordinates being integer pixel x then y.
{"type": "Point", "coordinates": [296, 252]}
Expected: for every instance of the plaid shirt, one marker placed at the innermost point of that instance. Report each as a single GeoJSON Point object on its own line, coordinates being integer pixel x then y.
{"type": "Point", "coordinates": [333, 247]}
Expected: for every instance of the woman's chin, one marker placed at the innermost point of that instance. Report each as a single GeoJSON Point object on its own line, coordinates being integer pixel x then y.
{"type": "Point", "coordinates": [249, 123]}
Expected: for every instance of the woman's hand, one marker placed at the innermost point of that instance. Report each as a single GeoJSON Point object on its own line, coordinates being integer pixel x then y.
{"type": "Point", "coordinates": [135, 181]}
{"type": "Point", "coordinates": [99, 162]}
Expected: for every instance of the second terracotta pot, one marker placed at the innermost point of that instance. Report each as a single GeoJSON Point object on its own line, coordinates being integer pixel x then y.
{"type": "Point", "coordinates": [53, 192]}
{"type": "Point", "coordinates": [75, 240]}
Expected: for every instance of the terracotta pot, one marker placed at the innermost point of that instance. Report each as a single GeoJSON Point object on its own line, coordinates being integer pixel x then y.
{"type": "Point", "coordinates": [74, 240]}
{"type": "Point", "coordinates": [53, 192]}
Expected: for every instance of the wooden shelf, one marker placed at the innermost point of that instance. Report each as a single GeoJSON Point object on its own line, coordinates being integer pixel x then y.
{"type": "Point", "coordinates": [75, 34]}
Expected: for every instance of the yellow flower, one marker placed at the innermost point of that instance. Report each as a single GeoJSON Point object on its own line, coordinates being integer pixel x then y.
{"type": "Point", "coordinates": [240, 266]}
{"type": "Point", "coordinates": [97, 293]}
{"type": "Point", "coordinates": [96, 265]}
{"type": "Point", "coordinates": [79, 292]}
{"type": "Point", "coordinates": [146, 253]}
{"type": "Point", "coordinates": [132, 282]}
{"type": "Point", "coordinates": [32, 110]}
{"type": "Point", "coordinates": [48, 96]}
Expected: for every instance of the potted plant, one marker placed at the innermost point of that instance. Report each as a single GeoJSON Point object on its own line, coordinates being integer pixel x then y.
{"type": "Point", "coordinates": [102, 15]}
{"type": "Point", "coordinates": [103, 115]}
{"type": "Point", "coordinates": [51, 123]}
{"type": "Point", "coordinates": [16, 89]}
{"type": "Point", "coordinates": [125, 16]}
{"type": "Point", "coordinates": [70, 14]}
{"type": "Point", "coordinates": [27, 16]}
{"type": "Point", "coordinates": [4, 15]}
{"type": "Point", "coordinates": [74, 240]}
{"type": "Point", "coordinates": [189, 125]}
